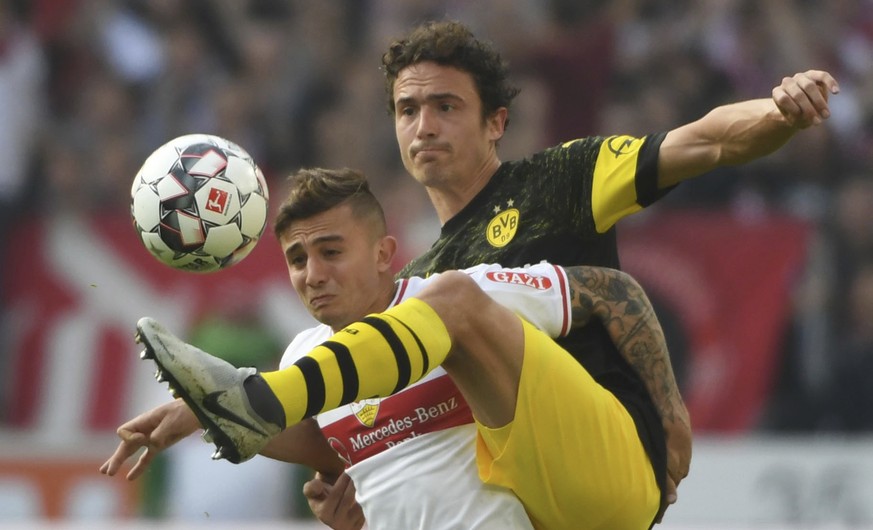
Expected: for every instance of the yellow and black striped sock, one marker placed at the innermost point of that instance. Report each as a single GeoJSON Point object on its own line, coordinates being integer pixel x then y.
{"type": "Point", "coordinates": [375, 357]}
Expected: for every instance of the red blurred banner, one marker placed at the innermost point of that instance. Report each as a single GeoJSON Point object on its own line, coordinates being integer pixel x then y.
{"type": "Point", "coordinates": [73, 296]}
{"type": "Point", "coordinates": [729, 284]}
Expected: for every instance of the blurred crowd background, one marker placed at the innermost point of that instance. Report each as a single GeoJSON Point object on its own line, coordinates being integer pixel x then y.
{"type": "Point", "coordinates": [88, 88]}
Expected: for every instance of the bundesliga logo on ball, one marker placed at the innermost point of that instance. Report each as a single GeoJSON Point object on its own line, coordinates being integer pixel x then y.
{"type": "Point", "coordinates": [199, 203]}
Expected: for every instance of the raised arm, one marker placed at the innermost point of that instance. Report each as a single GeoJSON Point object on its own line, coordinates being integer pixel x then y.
{"type": "Point", "coordinates": [741, 132]}
{"type": "Point", "coordinates": [617, 300]}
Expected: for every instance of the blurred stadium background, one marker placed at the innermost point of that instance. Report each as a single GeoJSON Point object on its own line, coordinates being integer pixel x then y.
{"type": "Point", "coordinates": [762, 274]}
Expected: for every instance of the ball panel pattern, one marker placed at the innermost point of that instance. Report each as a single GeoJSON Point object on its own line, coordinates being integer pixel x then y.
{"type": "Point", "coordinates": [199, 203]}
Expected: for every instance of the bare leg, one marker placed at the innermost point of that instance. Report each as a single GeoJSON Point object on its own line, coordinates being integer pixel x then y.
{"type": "Point", "coordinates": [487, 346]}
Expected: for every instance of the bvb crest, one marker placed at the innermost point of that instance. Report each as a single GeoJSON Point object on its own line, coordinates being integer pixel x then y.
{"type": "Point", "coordinates": [503, 226]}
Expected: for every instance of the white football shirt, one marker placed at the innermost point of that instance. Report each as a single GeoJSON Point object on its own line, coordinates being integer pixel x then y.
{"type": "Point", "coordinates": [412, 455]}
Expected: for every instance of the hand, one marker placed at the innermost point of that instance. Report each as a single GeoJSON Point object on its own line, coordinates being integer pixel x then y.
{"type": "Point", "coordinates": [333, 502]}
{"type": "Point", "coordinates": [155, 430]}
{"type": "Point", "coordinates": [678, 433]}
{"type": "Point", "coordinates": [803, 98]}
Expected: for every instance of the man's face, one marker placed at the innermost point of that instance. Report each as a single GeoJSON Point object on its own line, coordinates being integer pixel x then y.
{"type": "Point", "coordinates": [334, 262]}
{"type": "Point", "coordinates": [439, 125]}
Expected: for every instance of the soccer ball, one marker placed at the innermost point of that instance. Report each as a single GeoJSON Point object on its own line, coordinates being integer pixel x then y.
{"type": "Point", "coordinates": [199, 203]}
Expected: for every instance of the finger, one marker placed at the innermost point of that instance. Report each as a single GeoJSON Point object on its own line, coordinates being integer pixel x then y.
{"type": "Point", "coordinates": [314, 489]}
{"type": "Point", "coordinates": [121, 454]}
{"type": "Point", "coordinates": [805, 93]}
{"type": "Point", "coordinates": [342, 490]}
{"type": "Point", "coordinates": [141, 464]}
{"type": "Point", "coordinates": [111, 466]}
{"type": "Point", "coordinates": [803, 98]}
{"type": "Point", "coordinates": [677, 475]}
{"type": "Point", "coordinates": [165, 435]}
{"type": "Point", "coordinates": [342, 496]}
{"type": "Point", "coordinates": [677, 466]}
{"type": "Point", "coordinates": [353, 512]}
{"type": "Point", "coordinates": [327, 478]}
{"type": "Point", "coordinates": [358, 519]}
{"type": "Point", "coordinates": [129, 435]}
{"type": "Point", "coordinates": [348, 487]}
{"type": "Point", "coordinates": [662, 509]}
{"type": "Point", "coordinates": [818, 95]}
{"type": "Point", "coordinates": [824, 79]}
{"type": "Point", "coordinates": [789, 108]}
{"type": "Point", "coordinates": [817, 86]}
{"type": "Point", "coordinates": [343, 481]}
{"type": "Point", "coordinates": [671, 494]}
{"type": "Point", "coordinates": [659, 517]}
{"type": "Point", "coordinates": [325, 506]}
{"type": "Point", "coordinates": [125, 450]}
{"type": "Point", "coordinates": [670, 497]}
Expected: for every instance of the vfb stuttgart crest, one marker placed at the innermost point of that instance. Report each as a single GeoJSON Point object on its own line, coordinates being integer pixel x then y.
{"type": "Point", "coordinates": [366, 411]}
{"type": "Point", "coordinates": [502, 227]}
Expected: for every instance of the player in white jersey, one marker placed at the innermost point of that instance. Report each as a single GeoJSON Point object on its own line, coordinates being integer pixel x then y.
{"type": "Point", "coordinates": [429, 480]}
{"type": "Point", "coordinates": [417, 441]}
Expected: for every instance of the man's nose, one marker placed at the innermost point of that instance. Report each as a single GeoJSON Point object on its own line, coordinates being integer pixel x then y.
{"type": "Point", "coordinates": [316, 272]}
{"type": "Point", "coordinates": [428, 124]}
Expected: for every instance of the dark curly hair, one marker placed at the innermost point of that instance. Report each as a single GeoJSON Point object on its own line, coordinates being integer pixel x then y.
{"type": "Point", "coordinates": [450, 43]}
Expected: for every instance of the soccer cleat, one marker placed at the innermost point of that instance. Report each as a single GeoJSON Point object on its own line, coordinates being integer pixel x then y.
{"type": "Point", "coordinates": [213, 388]}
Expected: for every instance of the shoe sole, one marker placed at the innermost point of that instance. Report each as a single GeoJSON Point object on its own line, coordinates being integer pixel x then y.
{"type": "Point", "coordinates": [223, 444]}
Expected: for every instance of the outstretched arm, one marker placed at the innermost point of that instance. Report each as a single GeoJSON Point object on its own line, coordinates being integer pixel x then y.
{"type": "Point", "coordinates": [617, 300]}
{"type": "Point", "coordinates": [741, 132]}
{"type": "Point", "coordinates": [154, 430]}
{"type": "Point", "coordinates": [304, 443]}
{"type": "Point", "coordinates": [167, 424]}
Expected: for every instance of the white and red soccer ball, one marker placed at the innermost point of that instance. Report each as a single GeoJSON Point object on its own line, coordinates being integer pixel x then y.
{"type": "Point", "coordinates": [199, 203]}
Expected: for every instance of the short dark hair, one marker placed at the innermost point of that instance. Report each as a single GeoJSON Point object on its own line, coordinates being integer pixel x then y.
{"type": "Point", "coordinates": [450, 43]}
{"type": "Point", "coordinates": [316, 190]}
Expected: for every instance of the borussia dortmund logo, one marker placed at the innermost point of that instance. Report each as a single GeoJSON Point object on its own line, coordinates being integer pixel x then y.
{"type": "Point", "coordinates": [503, 226]}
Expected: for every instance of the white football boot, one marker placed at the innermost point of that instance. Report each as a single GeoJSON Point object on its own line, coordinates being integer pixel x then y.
{"type": "Point", "coordinates": [214, 389]}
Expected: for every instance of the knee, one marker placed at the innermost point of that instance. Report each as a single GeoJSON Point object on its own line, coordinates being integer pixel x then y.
{"type": "Point", "coordinates": [453, 287]}
{"type": "Point", "coordinates": [456, 296]}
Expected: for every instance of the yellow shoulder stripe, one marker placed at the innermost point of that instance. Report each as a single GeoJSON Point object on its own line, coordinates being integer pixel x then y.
{"type": "Point", "coordinates": [613, 187]}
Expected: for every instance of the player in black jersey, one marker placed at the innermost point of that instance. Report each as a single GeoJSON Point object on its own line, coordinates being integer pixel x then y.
{"type": "Point", "coordinates": [449, 94]}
